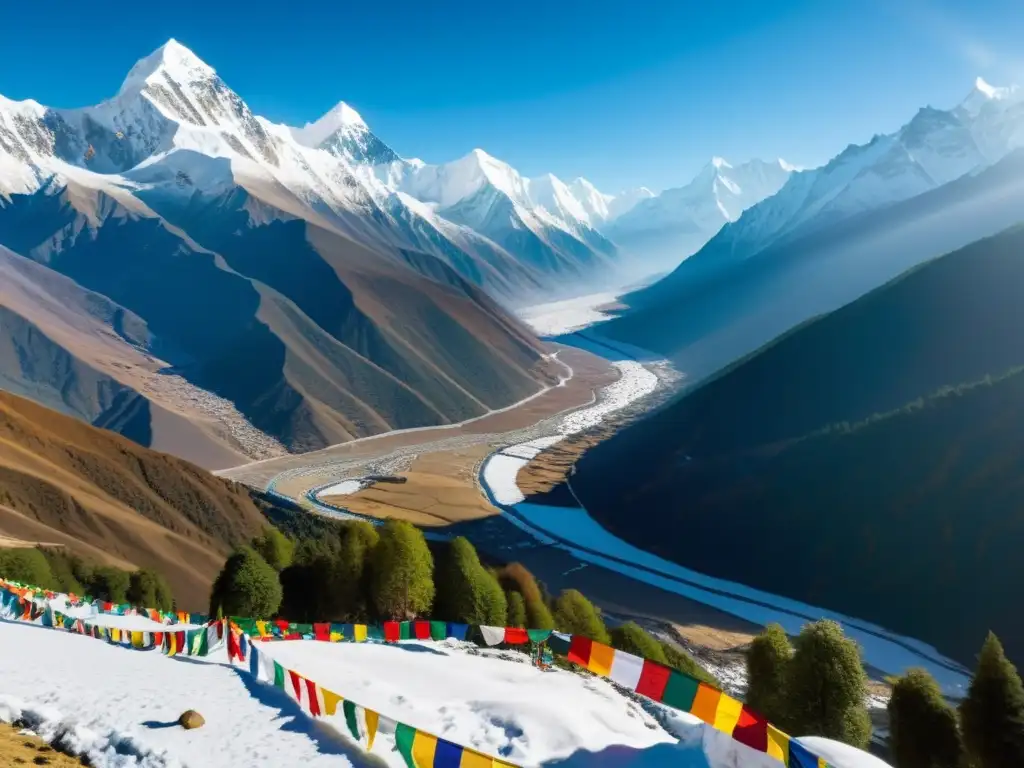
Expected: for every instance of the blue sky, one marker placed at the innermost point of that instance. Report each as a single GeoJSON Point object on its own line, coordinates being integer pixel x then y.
{"type": "Point", "coordinates": [626, 93]}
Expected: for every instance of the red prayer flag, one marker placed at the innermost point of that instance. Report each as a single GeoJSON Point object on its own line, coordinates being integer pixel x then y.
{"type": "Point", "coordinates": [579, 650]}
{"type": "Point", "coordinates": [158, 638]}
{"type": "Point", "coordinates": [296, 683]}
{"type": "Point", "coordinates": [752, 730]}
{"type": "Point", "coordinates": [233, 650]}
{"type": "Point", "coordinates": [282, 625]}
{"type": "Point", "coordinates": [653, 679]}
{"type": "Point", "coordinates": [514, 636]}
{"type": "Point", "coordinates": [179, 641]}
{"type": "Point", "coordinates": [421, 630]}
{"type": "Point", "coordinates": [391, 631]}
{"type": "Point", "coordinates": [314, 705]}
{"type": "Point", "coordinates": [322, 632]}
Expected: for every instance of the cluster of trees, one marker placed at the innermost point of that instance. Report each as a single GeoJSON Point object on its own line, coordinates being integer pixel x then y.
{"type": "Point", "coordinates": [817, 686]}
{"type": "Point", "coordinates": [354, 572]}
{"type": "Point", "coordinates": [61, 571]}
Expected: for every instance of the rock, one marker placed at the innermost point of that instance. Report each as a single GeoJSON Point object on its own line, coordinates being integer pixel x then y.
{"type": "Point", "coordinates": [191, 719]}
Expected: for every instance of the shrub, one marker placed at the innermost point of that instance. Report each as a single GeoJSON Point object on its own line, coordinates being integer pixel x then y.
{"type": "Point", "coordinates": [516, 609]}
{"type": "Point", "coordinates": [516, 577]}
{"type": "Point", "coordinates": [993, 711]}
{"type": "Point", "coordinates": [28, 566]}
{"type": "Point", "coordinates": [403, 572]}
{"type": "Point", "coordinates": [467, 591]}
{"type": "Point", "coordinates": [632, 638]}
{"type": "Point", "coordinates": [825, 686]}
{"type": "Point", "coordinates": [274, 547]}
{"type": "Point", "coordinates": [63, 566]}
{"type": "Point", "coordinates": [109, 584]}
{"type": "Point", "coordinates": [352, 578]}
{"type": "Point", "coordinates": [578, 616]}
{"type": "Point", "coordinates": [679, 659]}
{"type": "Point", "coordinates": [767, 665]}
{"type": "Point", "coordinates": [923, 728]}
{"type": "Point", "coordinates": [149, 589]}
{"type": "Point", "coordinates": [246, 586]}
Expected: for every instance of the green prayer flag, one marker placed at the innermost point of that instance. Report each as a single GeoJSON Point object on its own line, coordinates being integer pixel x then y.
{"type": "Point", "coordinates": [350, 718]}
{"type": "Point", "coordinates": [538, 635]}
{"type": "Point", "coordinates": [438, 630]}
{"type": "Point", "coordinates": [680, 691]}
{"type": "Point", "coordinates": [278, 676]}
{"type": "Point", "coordinates": [405, 630]}
{"type": "Point", "coordinates": [405, 735]}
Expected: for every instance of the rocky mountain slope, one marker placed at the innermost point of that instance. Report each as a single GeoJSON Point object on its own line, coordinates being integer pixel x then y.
{"type": "Point", "coordinates": [297, 303]}
{"type": "Point", "coordinates": [104, 497]}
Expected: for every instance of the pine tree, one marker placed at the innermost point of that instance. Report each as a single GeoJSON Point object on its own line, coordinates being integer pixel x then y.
{"type": "Point", "coordinates": [351, 580]}
{"type": "Point", "coordinates": [274, 547]}
{"type": "Point", "coordinates": [767, 663]}
{"type": "Point", "coordinates": [403, 572]}
{"type": "Point", "coordinates": [467, 591]}
{"type": "Point", "coordinates": [578, 616]}
{"type": "Point", "coordinates": [923, 727]}
{"type": "Point", "coordinates": [247, 586]}
{"type": "Point", "coordinates": [149, 589]}
{"type": "Point", "coordinates": [993, 712]}
{"type": "Point", "coordinates": [516, 577]}
{"type": "Point", "coordinates": [110, 584]}
{"type": "Point", "coordinates": [516, 610]}
{"type": "Point", "coordinates": [825, 686]}
{"type": "Point", "coordinates": [632, 638]}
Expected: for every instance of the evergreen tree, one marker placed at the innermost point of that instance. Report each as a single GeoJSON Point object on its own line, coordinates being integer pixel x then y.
{"type": "Point", "coordinates": [149, 589]}
{"type": "Point", "coordinates": [685, 663]}
{"type": "Point", "coordinates": [247, 586]}
{"type": "Point", "coordinates": [274, 547]}
{"type": "Point", "coordinates": [27, 566]}
{"type": "Point", "coordinates": [767, 665]}
{"type": "Point", "coordinates": [351, 580]}
{"type": "Point", "coordinates": [109, 584]}
{"type": "Point", "coordinates": [63, 566]}
{"type": "Point", "coordinates": [467, 591]}
{"type": "Point", "coordinates": [632, 638]}
{"type": "Point", "coordinates": [403, 572]}
{"type": "Point", "coordinates": [993, 712]}
{"type": "Point", "coordinates": [307, 590]}
{"type": "Point", "coordinates": [825, 686]}
{"type": "Point", "coordinates": [923, 727]}
{"type": "Point", "coordinates": [515, 576]}
{"type": "Point", "coordinates": [578, 616]}
{"type": "Point", "coordinates": [516, 610]}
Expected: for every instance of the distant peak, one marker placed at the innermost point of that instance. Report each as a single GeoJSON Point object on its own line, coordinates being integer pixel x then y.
{"type": "Point", "coordinates": [988, 90]}
{"type": "Point", "coordinates": [339, 117]}
{"type": "Point", "coordinates": [984, 93]}
{"type": "Point", "coordinates": [788, 167]}
{"type": "Point", "coordinates": [720, 162]}
{"type": "Point", "coordinates": [173, 58]}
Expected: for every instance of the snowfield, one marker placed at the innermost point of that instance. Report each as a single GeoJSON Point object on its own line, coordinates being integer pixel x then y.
{"type": "Point", "coordinates": [118, 707]}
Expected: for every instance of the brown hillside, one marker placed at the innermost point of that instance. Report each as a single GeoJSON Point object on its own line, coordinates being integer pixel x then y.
{"type": "Point", "coordinates": [105, 497]}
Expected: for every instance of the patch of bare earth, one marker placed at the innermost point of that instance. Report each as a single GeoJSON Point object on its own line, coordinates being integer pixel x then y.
{"type": "Point", "coordinates": [18, 749]}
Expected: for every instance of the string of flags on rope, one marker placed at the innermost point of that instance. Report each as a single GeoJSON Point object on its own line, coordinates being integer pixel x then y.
{"type": "Point", "coordinates": [656, 681]}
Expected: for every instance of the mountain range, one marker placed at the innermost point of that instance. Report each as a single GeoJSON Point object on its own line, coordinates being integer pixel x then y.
{"type": "Point", "coordinates": [945, 179]}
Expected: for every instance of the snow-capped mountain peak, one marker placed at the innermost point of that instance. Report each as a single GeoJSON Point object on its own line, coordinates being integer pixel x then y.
{"type": "Point", "coordinates": [172, 59]}
{"type": "Point", "coordinates": [340, 117]}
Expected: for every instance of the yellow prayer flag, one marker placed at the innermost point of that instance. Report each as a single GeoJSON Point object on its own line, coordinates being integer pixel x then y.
{"type": "Point", "coordinates": [471, 759]}
{"type": "Point", "coordinates": [331, 700]}
{"type": "Point", "coordinates": [171, 644]}
{"type": "Point", "coordinates": [778, 744]}
{"type": "Point", "coordinates": [360, 633]}
{"type": "Point", "coordinates": [423, 747]}
{"type": "Point", "coordinates": [372, 719]}
{"type": "Point", "coordinates": [728, 714]}
{"type": "Point", "coordinates": [137, 641]}
{"type": "Point", "coordinates": [336, 637]}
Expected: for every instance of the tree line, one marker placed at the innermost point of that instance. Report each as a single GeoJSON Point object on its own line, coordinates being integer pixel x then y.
{"type": "Point", "coordinates": [816, 685]}
{"type": "Point", "coordinates": [61, 571]}
{"type": "Point", "coordinates": [354, 572]}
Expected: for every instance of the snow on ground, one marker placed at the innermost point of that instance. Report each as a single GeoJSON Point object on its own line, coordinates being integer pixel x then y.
{"type": "Point", "coordinates": [344, 488]}
{"type": "Point", "coordinates": [119, 706]}
{"type": "Point", "coordinates": [500, 706]}
{"type": "Point", "coordinates": [556, 318]}
{"type": "Point", "coordinates": [501, 469]}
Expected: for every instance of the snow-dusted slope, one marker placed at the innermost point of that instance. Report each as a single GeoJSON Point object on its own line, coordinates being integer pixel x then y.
{"type": "Point", "coordinates": [933, 149]}
{"type": "Point", "coordinates": [175, 127]}
{"type": "Point", "coordinates": [663, 230]}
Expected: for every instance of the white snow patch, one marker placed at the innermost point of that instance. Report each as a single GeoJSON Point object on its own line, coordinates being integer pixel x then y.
{"type": "Point", "coordinates": [560, 317]}
{"type": "Point", "coordinates": [344, 488]}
